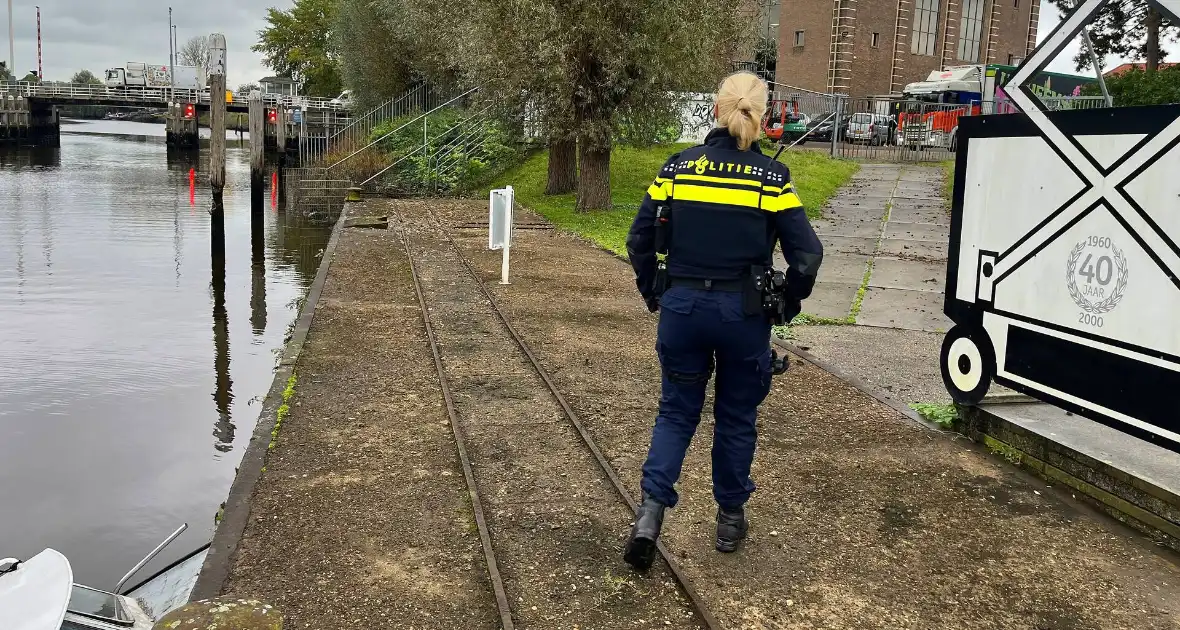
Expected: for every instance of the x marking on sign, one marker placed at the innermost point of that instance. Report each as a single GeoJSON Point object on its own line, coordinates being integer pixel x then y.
{"type": "Point", "coordinates": [1100, 184]}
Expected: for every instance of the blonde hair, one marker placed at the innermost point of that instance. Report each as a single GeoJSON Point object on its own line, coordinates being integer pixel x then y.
{"type": "Point", "coordinates": [741, 102]}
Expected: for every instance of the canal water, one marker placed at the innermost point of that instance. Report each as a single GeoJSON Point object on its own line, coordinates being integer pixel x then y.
{"type": "Point", "coordinates": [133, 359]}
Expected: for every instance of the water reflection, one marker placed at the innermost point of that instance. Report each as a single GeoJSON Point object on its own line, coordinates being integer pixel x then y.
{"type": "Point", "coordinates": [29, 157]}
{"type": "Point", "coordinates": [109, 317]}
{"type": "Point", "coordinates": [223, 395]}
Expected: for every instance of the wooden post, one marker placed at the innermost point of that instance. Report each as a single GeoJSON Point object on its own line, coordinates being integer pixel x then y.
{"type": "Point", "coordinates": [281, 140]}
{"type": "Point", "coordinates": [216, 67]}
{"type": "Point", "coordinates": [257, 166]}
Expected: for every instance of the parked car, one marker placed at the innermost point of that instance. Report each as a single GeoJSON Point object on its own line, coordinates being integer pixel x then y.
{"type": "Point", "coordinates": [870, 128]}
{"type": "Point", "coordinates": [822, 126]}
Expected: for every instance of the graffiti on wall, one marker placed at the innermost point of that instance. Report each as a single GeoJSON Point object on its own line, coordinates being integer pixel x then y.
{"type": "Point", "coordinates": [696, 117]}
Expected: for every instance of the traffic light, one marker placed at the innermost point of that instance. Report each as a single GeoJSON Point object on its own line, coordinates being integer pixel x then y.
{"type": "Point", "coordinates": [190, 110]}
{"type": "Point", "coordinates": [271, 116]}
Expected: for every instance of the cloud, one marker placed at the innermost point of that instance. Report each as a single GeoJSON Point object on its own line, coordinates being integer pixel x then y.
{"type": "Point", "coordinates": [1050, 17]}
{"type": "Point", "coordinates": [100, 34]}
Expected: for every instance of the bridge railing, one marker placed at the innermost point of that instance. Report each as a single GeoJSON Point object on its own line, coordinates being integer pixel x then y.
{"type": "Point", "coordinates": [99, 93]}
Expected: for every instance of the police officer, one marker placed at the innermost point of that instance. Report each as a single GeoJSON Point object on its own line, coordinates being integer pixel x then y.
{"type": "Point", "coordinates": [705, 232]}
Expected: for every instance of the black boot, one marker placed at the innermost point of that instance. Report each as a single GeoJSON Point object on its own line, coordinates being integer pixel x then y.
{"type": "Point", "coordinates": [731, 529]}
{"type": "Point", "coordinates": [641, 547]}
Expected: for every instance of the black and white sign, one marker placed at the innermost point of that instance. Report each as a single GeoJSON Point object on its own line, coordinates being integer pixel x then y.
{"type": "Point", "coordinates": [1063, 277]}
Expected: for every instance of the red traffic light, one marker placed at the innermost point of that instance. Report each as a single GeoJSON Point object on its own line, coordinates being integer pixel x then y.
{"type": "Point", "coordinates": [189, 110]}
{"type": "Point", "coordinates": [271, 116]}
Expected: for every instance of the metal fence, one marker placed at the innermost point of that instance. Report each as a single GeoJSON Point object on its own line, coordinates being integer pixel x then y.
{"type": "Point", "coordinates": [883, 128]}
{"type": "Point", "coordinates": [314, 193]}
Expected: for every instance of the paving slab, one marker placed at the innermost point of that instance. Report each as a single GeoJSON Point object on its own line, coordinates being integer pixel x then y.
{"type": "Point", "coordinates": [914, 275]}
{"type": "Point", "coordinates": [864, 228]}
{"type": "Point", "coordinates": [920, 204]}
{"type": "Point", "coordinates": [841, 268]}
{"type": "Point", "coordinates": [898, 362]}
{"type": "Point", "coordinates": [921, 174]}
{"type": "Point", "coordinates": [851, 212]}
{"type": "Point", "coordinates": [932, 216]}
{"type": "Point", "coordinates": [900, 308]}
{"type": "Point", "coordinates": [831, 299]}
{"type": "Point", "coordinates": [848, 245]}
{"type": "Point", "coordinates": [916, 231]}
{"type": "Point", "coordinates": [906, 248]}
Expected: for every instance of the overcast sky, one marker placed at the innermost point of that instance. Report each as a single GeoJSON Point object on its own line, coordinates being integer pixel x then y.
{"type": "Point", "coordinates": [101, 34]}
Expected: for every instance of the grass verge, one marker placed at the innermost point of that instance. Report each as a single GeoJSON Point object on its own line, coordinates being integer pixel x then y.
{"type": "Point", "coordinates": [816, 177]}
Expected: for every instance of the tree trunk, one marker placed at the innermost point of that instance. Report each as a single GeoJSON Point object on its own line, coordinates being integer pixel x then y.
{"type": "Point", "coordinates": [563, 167]}
{"type": "Point", "coordinates": [1152, 22]}
{"type": "Point", "coordinates": [593, 177]}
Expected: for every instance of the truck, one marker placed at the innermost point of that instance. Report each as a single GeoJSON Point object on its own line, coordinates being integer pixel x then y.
{"type": "Point", "coordinates": [928, 111]}
{"type": "Point", "coordinates": [137, 74]}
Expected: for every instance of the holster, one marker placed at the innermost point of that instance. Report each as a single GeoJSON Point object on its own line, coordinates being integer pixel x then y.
{"type": "Point", "coordinates": [752, 291]}
{"type": "Point", "coordinates": [663, 238]}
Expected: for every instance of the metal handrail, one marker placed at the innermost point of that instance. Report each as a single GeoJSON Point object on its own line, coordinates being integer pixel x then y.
{"type": "Point", "coordinates": [426, 142]}
{"type": "Point", "coordinates": [392, 104]}
{"type": "Point", "coordinates": [403, 126]}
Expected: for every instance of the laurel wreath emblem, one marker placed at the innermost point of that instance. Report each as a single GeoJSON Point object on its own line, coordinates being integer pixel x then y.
{"type": "Point", "coordinates": [1120, 287]}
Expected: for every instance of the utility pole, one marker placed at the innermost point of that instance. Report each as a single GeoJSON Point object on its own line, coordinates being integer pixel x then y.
{"type": "Point", "coordinates": [40, 72]}
{"type": "Point", "coordinates": [11, 44]}
{"type": "Point", "coordinates": [171, 53]}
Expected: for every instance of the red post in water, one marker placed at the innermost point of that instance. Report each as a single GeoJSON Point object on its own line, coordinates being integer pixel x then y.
{"type": "Point", "coordinates": [274, 190]}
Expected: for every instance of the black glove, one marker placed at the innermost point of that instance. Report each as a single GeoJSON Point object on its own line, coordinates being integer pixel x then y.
{"type": "Point", "coordinates": [653, 304]}
{"type": "Point", "coordinates": [792, 309]}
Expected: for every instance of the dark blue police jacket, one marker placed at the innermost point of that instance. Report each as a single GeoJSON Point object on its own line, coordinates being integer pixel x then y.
{"type": "Point", "coordinates": [729, 207]}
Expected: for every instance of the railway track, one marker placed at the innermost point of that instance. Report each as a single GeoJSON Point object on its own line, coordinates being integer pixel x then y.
{"type": "Point", "coordinates": [542, 520]}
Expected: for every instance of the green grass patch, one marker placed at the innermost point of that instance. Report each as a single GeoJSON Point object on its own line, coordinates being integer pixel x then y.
{"type": "Point", "coordinates": [945, 416]}
{"type": "Point", "coordinates": [283, 410]}
{"type": "Point", "coordinates": [816, 177]}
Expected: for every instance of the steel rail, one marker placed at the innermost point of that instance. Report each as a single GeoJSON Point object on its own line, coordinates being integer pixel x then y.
{"type": "Point", "coordinates": [685, 582]}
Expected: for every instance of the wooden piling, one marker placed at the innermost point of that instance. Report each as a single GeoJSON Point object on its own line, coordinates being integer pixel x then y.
{"type": "Point", "coordinates": [281, 141]}
{"type": "Point", "coordinates": [257, 165]}
{"type": "Point", "coordinates": [217, 118]}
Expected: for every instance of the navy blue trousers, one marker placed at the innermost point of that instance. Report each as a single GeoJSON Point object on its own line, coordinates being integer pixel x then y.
{"type": "Point", "coordinates": [701, 331]}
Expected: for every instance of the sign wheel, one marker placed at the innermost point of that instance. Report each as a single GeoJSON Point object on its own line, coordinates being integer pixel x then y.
{"type": "Point", "coordinates": [968, 364]}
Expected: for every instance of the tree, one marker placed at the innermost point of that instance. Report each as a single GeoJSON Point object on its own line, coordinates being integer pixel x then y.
{"type": "Point", "coordinates": [194, 52]}
{"type": "Point", "coordinates": [377, 59]}
{"type": "Point", "coordinates": [85, 77]}
{"type": "Point", "coordinates": [298, 43]}
{"type": "Point", "coordinates": [1124, 28]}
{"type": "Point", "coordinates": [5, 75]}
{"type": "Point", "coordinates": [586, 63]}
{"type": "Point", "coordinates": [31, 77]}
{"type": "Point", "coordinates": [1138, 87]}
{"type": "Point", "coordinates": [246, 88]}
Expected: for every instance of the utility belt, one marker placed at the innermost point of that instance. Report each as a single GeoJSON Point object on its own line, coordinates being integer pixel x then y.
{"type": "Point", "coordinates": [762, 287]}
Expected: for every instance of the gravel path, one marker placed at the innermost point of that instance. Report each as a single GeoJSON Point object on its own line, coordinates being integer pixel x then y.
{"type": "Point", "coordinates": [862, 519]}
{"type": "Point", "coordinates": [361, 518]}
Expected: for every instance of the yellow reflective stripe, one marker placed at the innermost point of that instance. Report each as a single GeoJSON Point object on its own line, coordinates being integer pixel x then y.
{"type": "Point", "coordinates": [776, 189]}
{"type": "Point", "coordinates": [785, 201]}
{"type": "Point", "coordinates": [720, 180]}
{"type": "Point", "coordinates": [709, 194]}
{"type": "Point", "coordinates": [660, 180]}
{"type": "Point", "coordinates": [660, 191]}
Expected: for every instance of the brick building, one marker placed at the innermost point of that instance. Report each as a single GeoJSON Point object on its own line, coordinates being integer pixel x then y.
{"type": "Point", "coordinates": [876, 47]}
